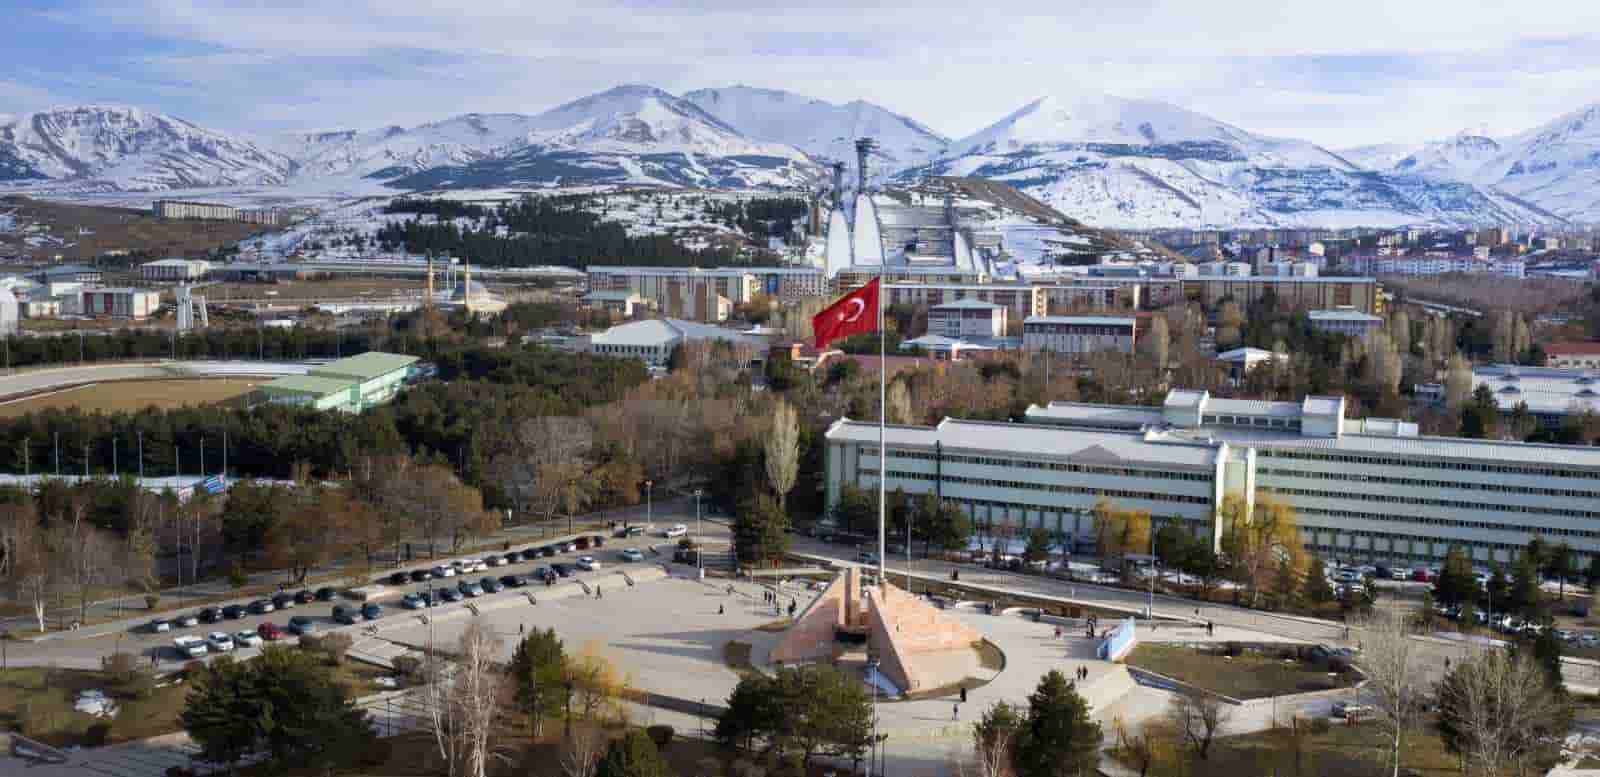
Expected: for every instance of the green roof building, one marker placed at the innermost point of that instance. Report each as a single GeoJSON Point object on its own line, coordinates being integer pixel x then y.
{"type": "Point", "coordinates": [350, 385]}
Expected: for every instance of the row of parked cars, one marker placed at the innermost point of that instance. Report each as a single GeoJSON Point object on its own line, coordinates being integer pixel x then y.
{"type": "Point", "coordinates": [192, 646]}
{"type": "Point", "coordinates": [282, 601]}
{"type": "Point", "coordinates": [471, 566]}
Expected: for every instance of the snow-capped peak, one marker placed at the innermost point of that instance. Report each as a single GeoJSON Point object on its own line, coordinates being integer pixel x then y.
{"type": "Point", "coordinates": [822, 129]}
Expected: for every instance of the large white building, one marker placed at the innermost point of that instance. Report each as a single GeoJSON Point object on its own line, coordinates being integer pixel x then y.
{"type": "Point", "coordinates": [1363, 489]}
{"type": "Point", "coordinates": [967, 319]}
{"type": "Point", "coordinates": [652, 340]}
{"type": "Point", "coordinates": [1079, 334]}
{"type": "Point", "coordinates": [175, 270]}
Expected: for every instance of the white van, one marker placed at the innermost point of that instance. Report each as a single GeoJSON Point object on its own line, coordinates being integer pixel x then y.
{"type": "Point", "coordinates": [678, 530]}
{"type": "Point", "coordinates": [190, 646]}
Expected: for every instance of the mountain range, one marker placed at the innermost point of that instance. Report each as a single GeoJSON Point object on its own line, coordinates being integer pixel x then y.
{"type": "Point", "coordinates": [1106, 160]}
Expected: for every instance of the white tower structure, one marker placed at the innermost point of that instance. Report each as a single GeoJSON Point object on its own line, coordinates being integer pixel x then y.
{"type": "Point", "coordinates": [9, 314]}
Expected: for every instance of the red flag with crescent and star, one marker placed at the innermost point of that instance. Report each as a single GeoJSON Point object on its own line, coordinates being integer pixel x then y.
{"type": "Point", "coordinates": [853, 314]}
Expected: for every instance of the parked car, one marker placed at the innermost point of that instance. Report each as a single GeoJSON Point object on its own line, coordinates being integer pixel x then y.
{"type": "Point", "coordinates": [413, 602]}
{"type": "Point", "coordinates": [421, 576]}
{"type": "Point", "coordinates": [1351, 712]}
{"type": "Point", "coordinates": [531, 554]}
{"type": "Point", "coordinates": [540, 573]}
{"type": "Point", "coordinates": [686, 556]}
{"type": "Point", "coordinates": [261, 607]}
{"type": "Point", "coordinates": [631, 554]}
{"type": "Point", "coordinates": [494, 561]}
{"type": "Point", "coordinates": [190, 646]}
{"type": "Point", "coordinates": [269, 632]}
{"type": "Point", "coordinates": [399, 578]}
{"type": "Point", "coordinates": [677, 530]}
{"type": "Point", "coordinates": [210, 614]}
{"type": "Point", "coordinates": [247, 639]}
{"type": "Point", "coordinates": [597, 541]}
{"type": "Point", "coordinates": [866, 557]}
{"type": "Point", "coordinates": [304, 596]}
{"type": "Point", "coordinates": [371, 611]}
{"type": "Point", "coordinates": [301, 624]}
{"type": "Point", "coordinates": [1565, 635]}
{"type": "Point", "coordinates": [588, 563]}
{"type": "Point", "coordinates": [513, 581]}
{"type": "Point", "coordinates": [344, 615]}
{"type": "Point", "coordinates": [449, 594]}
{"type": "Point", "coordinates": [633, 531]}
{"type": "Point", "coordinates": [443, 571]}
{"type": "Point", "coordinates": [186, 620]}
{"type": "Point", "coordinates": [283, 601]}
{"type": "Point", "coordinates": [582, 543]}
{"type": "Point", "coordinates": [513, 557]}
{"type": "Point", "coordinates": [469, 589]}
{"type": "Point", "coordinates": [1398, 573]}
{"type": "Point", "coordinates": [491, 585]}
{"type": "Point", "coordinates": [547, 551]}
{"type": "Point", "coordinates": [326, 594]}
{"type": "Point", "coordinates": [561, 570]}
{"type": "Point", "coordinates": [233, 612]}
{"type": "Point", "coordinates": [219, 641]}
{"type": "Point", "coordinates": [160, 626]}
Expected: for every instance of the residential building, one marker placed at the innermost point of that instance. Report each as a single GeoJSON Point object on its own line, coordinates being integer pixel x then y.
{"type": "Point", "coordinates": [1078, 334]}
{"type": "Point", "coordinates": [179, 209]}
{"type": "Point", "coordinates": [136, 304]}
{"type": "Point", "coordinates": [1019, 300]}
{"type": "Point", "coordinates": [652, 340]}
{"type": "Point", "coordinates": [174, 270]}
{"type": "Point", "coordinates": [1361, 489]}
{"type": "Point", "coordinates": [1344, 321]}
{"type": "Point", "coordinates": [1585, 355]}
{"type": "Point", "coordinates": [967, 319]}
{"type": "Point", "coordinates": [1291, 293]}
{"type": "Point", "coordinates": [69, 273]}
{"type": "Point", "coordinates": [705, 295]}
{"type": "Point", "coordinates": [1240, 361]}
{"type": "Point", "coordinates": [620, 304]}
{"type": "Point", "coordinates": [44, 307]}
{"type": "Point", "coordinates": [947, 349]}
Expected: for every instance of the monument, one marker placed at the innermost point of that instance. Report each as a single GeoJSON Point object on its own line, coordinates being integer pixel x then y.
{"type": "Point", "coordinates": [900, 630]}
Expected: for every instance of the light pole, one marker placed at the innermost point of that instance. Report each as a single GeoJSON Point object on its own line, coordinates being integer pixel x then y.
{"type": "Point", "coordinates": [873, 755]}
{"type": "Point", "coordinates": [699, 540]}
{"type": "Point", "coordinates": [649, 515]}
{"type": "Point", "coordinates": [1150, 610]}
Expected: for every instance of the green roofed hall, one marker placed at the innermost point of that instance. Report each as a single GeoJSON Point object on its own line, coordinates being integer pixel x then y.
{"type": "Point", "coordinates": [367, 366]}
{"type": "Point", "coordinates": [350, 385]}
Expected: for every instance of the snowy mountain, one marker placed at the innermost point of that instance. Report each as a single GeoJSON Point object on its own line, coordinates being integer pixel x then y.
{"type": "Point", "coordinates": [826, 131]}
{"type": "Point", "coordinates": [391, 152]}
{"type": "Point", "coordinates": [1556, 165]}
{"type": "Point", "coordinates": [628, 135]}
{"type": "Point", "coordinates": [1137, 164]}
{"type": "Point", "coordinates": [98, 148]}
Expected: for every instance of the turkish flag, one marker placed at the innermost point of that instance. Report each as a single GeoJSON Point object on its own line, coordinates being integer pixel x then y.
{"type": "Point", "coordinates": [853, 314]}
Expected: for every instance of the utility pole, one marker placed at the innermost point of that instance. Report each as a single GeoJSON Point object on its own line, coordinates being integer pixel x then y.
{"type": "Point", "coordinates": [141, 457]}
{"type": "Point", "coordinates": [699, 539]}
{"type": "Point", "coordinates": [58, 454]}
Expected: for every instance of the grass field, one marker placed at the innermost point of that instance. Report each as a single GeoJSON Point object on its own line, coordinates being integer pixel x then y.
{"type": "Point", "coordinates": [82, 231]}
{"type": "Point", "coordinates": [131, 395]}
{"type": "Point", "coordinates": [39, 702]}
{"type": "Point", "coordinates": [1343, 750]}
{"type": "Point", "coordinates": [1247, 676]}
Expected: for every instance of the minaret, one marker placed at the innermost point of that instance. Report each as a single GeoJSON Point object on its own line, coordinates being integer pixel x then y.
{"type": "Point", "coordinates": [466, 286]}
{"type": "Point", "coordinates": [427, 301]}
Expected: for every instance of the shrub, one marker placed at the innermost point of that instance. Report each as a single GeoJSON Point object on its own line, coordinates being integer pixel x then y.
{"type": "Point", "coordinates": [1320, 726]}
{"type": "Point", "coordinates": [236, 577]}
{"type": "Point", "coordinates": [151, 600]}
{"type": "Point", "coordinates": [1232, 649]}
{"type": "Point", "coordinates": [407, 666]}
{"type": "Point", "coordinates": [194, 668]}
{"type": "Point", "coordinates": [336, 646]}
{"type": "Point", "coordinates": [311, 643]}
{"type": "Point", "coordinates": [127, 676]}
{"type": "Point", "coordinates": [661, 735]}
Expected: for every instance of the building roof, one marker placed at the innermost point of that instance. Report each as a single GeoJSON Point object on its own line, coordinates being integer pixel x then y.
{"type": "Point", "coordinates": [607, 295]}
{"type": "Point", "coordinates": [365, 366]}
{"type": "Point", "coordinates": [68, 269]}
{"type": "Point", "coordinates": [317, 385]}
{"type": "Point", "coordinates": [653, 332]}
{"type": "Point", "coordinates": [1252, 407]}
{"type": "Point", "coordinates": [1081, 320]}
{"type": "Point", "coordinates": [173, 262]}
{"type": "Point", "coordinates": [1342, 314]}
{"type": "Point", "coordinates": [1121, 416]}
{"type": "Point", "coordinates": [967, 304]}
{"type": "Point", "coordinates": [1570, 348]}
{"type": "Point", "coordinates": [1037, 441]}
{"type": "Point", "coordinates": [1248, 354]}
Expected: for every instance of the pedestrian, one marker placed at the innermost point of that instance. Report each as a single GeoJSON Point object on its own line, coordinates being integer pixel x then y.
{"type": "Point", "coordinates": [792, 606]}
{"type": "Point", "coordinates": [522, 628]}
{"type": "Point", "coordinates": [963, 694]}
{"type": "Point", "coordinates": [955, 712]}
{"type": "Point", "coordinates": [719, 609]}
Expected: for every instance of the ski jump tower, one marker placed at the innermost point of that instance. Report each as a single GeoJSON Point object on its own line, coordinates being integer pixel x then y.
{"type": "Point", "coordinates": [864, 147]}
{"type": "Point", "coordinates": [191, 310]}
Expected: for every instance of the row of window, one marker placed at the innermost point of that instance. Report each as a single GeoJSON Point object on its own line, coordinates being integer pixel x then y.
{"type": "Point", "coordinates": [1449, 522]}
{"type": "Point", "coordinates": [1054, 489]}
{"type": "Point", "coordinates": [1246, 420]}
{"type": "Point", "coordinates": [1421, 483]}
{"type": "Point", "coordinates": [1054, 466]}
{"type": "Point", "coordinates": [1549, 472]}
{"type": "Point", "coordinates": [1451, 503]}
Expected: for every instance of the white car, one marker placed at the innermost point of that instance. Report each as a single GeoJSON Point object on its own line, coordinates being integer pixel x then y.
{"type": "Point", "coordinates": [678, 530]}
{"type": "Point", "coordinates": [247, 639]}
{"type": "Point", "coordinates": [219, 641]}
{"type": "Point", "coordinates": [191, 647]}
{"type": "Point", "coordinates": [494, 561]}
{"type": "Point", "coordinates": [632, 554]}
{"type": "Point", "coordinates": [588, 563]}
{"type": "Point", "coordinates": [444, 571]}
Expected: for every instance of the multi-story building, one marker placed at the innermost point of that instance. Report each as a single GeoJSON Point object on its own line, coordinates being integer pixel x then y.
{"type": "Point", "coordinates": [1344, 321]}
{"type": "Point", "coordinates": [1062, 299]}
{"type": "Point", "coordinates": [692, 293]}
{"type": "Point", "coordinates": [1019, 300]}
{"type": "Point", "coordinates": [1291, 293]}
{"type": "Point", "coordinates": [1362, 489]}
{"type": "Point", "coordinates": [967, 319]}
{"type": "Point", "coordinates": [179, 209]}
{"type": "Point", "coordinates": [653, 340]}
{"type": "Point", "coordinates": [1078, 334]}
{"type": "Point", "coordinates": [1549, 393]}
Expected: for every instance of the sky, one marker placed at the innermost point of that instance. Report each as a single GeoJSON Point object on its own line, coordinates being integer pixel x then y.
{"type": "Point", "coordinates": [1341, 74]}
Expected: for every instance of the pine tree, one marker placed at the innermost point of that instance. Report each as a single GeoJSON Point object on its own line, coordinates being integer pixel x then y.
{"type": "Point", "coordinates": [1059, 738]}
{"type": "Point", "coordinates": [538, 673]}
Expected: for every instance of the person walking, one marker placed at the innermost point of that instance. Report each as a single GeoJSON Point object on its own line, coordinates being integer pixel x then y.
{"type": "Point", "coordinates": [955, 713]}
{"type": "Point", "coordinates": [719, 609]}
{"type": "Point", "coordinates": [963, 694]}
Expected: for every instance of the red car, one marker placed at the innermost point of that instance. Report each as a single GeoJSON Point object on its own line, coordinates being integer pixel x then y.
{"type": "Point", "coordinates": [270, 632]}
{"type": "Point", "coordinates": [1422, 575]}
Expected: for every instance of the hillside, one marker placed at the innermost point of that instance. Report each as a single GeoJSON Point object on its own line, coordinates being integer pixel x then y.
{"type": "Point", "coordinates": [39, 230]}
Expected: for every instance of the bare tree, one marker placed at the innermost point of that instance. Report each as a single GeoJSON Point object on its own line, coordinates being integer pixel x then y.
{"type": "Point", "coordinates": [1199, 716]}
{"type": "Point", "coordinates": [1499, 711]}
{"type": "Point", "coordinates": [29, 562]}
{"type": "Point", "coordinates": [1391, 660]}
{"type": "Point", "coordinates": [783, 450]}
{"type": "Point", "coordinates": [994, 740]}
{"type": "Point", "coordinates": [476, 691]}
{"type": "Point", "coordinates": [1157, 343]}
{"type": "Point", "coordinates": [1457, 381]}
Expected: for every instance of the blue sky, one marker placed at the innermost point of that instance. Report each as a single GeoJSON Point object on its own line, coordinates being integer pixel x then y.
{"type": "Point", "coordinates": [1340, 74]}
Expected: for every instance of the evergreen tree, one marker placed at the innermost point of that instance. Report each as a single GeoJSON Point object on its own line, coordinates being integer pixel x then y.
{"type": "Point", "coordinates": [1059, 739]}
{"type": "Point", "coordinates": [1316, 589]}
{"type": "Point", "coordinates": [760, 530]}
{"type": "Point", "coordinates": [221, 711]}
{"type": "Point", "coordinates": [1591, 577]}
{"type": "Point", "coordinates": [633, 754]}
{"type": "Point", "coordinates": [1456, 583]}
{"type": "Point", "coordinates": [1524, 596]}
{"type": "Point", "coordinates": [538, 673]}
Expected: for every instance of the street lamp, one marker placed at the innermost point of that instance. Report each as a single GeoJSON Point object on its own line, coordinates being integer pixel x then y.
{"type": "Point", "coordinates": [569, 709]}
{"type": "Point", "coordinates": [649, 516]}
{"type": "Point", "coordinates": [699, 540]}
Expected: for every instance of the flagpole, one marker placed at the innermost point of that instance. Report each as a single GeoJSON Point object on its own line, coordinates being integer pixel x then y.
{"type": "Point", "coordinates": [883, 450]}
